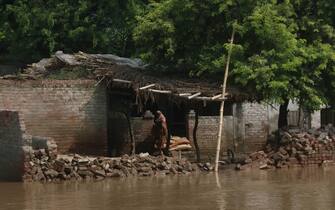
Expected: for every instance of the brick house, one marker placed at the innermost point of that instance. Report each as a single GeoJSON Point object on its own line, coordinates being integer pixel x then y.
{"type": "Point", "coordinates": [97, 113]}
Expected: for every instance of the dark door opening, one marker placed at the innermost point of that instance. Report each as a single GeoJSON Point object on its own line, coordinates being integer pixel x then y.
{"type": "Point", "coordinates": [177, 120]}
{"type": "Point", "coordinates": [119, 104]}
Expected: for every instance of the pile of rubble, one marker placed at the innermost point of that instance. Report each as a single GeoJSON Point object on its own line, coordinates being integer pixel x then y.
{"type": "Point", "coordinates": [44, 165]}
{"type": "Point", "coordinates": [297, 147]}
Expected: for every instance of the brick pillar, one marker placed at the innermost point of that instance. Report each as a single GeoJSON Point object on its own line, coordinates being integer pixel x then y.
{"type": "Point", "coordinates": [11, 142]}
{"type": "Point", "coordinates": [190, 125]}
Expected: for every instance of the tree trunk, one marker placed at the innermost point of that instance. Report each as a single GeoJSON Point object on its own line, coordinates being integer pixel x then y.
{"type": "Point", "coordinates": [195, 141]}
{"type": "Point", "coordinates": [283, 112]}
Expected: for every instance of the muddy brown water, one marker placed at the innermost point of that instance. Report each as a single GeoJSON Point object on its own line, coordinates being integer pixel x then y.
{"type": "Point", "coordinates": [309, 188]}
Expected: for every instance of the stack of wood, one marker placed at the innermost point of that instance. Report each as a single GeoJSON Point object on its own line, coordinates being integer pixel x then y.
{"type": "Point", "coordinates": [180, 143]}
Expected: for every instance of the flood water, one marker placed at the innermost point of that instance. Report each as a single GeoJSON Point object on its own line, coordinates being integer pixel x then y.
{"type": "Point", "coordinates": [309, 188]}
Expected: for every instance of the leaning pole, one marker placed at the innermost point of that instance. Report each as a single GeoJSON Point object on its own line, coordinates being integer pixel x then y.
{"type": "Point", "coordinates": [218, 147]}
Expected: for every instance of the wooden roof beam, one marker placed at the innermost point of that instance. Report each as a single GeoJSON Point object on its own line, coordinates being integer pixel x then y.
{"type": "Point", "coordinates": [204, 98]}
{"type": "Point", "coordinates": [122, 81]}
{"type": "Point", "coordinates": [160, 91]}
{"type": "Point", "coordinates": [184, 94]}
{"type": "Point", "coordinates": [219, 96]}
{"type": "Point", "coordinates": [147, 86]}
{"type": "Point", "coordinates": [194, 95]}
{"type": "Point", "coordinates": [216, 97]}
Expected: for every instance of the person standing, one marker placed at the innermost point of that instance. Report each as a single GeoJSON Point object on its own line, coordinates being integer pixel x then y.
{"type": "Point", "coordinates": [159, 132]}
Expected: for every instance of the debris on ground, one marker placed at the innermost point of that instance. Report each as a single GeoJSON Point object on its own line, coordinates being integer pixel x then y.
{"type": "Point", "coordinates": [296, 147]}
{"type": "Point", "coordinates": [44, 165]}
{"type": "Point", "coordinates": [206, 166]}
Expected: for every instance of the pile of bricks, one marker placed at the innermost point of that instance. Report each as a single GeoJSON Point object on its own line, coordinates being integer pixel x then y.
{"type": "Point", "coordinates": [297, 147]}
{"type": "Point", "coordinates": [45, 166]}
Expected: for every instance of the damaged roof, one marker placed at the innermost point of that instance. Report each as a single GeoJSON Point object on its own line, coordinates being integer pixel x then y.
{"type": "Point", "coordinates": [133, 72]}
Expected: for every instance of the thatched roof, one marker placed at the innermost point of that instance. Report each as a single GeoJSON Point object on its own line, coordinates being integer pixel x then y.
{"type": "Point", "coordinates": [124, 70]}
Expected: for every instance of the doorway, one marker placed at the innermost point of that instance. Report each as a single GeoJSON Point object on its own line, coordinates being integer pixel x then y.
{"type": "Point", "coordinates": [177, 118]}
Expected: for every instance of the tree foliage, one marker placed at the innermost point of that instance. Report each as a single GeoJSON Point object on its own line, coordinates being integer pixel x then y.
{"type": "Point", "coordinates": [35, 29]}
{"type": "Point", "coordinates": [187, 35]}
{"type": "Point", "coordinates": [316, 24]}
{"type": "Point", "coordinates": [284, 49]}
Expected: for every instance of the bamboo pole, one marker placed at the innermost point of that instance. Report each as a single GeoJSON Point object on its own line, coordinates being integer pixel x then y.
{"type": "Point", "coordinates": [222, 103]}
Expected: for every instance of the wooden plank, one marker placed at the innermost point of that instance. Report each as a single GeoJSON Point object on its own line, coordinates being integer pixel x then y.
{"type": "Point", "coordinates": [185, 94]}
{"type": "Point", "coordinates": [122, 81]}
{"type": "Point", "coordinates": [147, 86]}
{"type": "Point", "coordinates": [219, 96]}
{"type": "Point", "coordinates": [194, 95]}
{"type": "Point", "coordinates": [204, 98]}
{"type": "Point", "coordinates": [216, 97]}
{"type": "Point", "coordinates": [160, 91]}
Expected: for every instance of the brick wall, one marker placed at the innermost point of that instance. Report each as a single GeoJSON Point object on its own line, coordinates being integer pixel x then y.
{"type": "Point", "coordinates": [246, 131]}
{"type": "Point", "coordinates": [207, 134]}
{"type": "Point", "coordinates": [316, 119]}
{"type": "Point", "coordinates": [71, 112]}
{"type": "Point", "coordinates": [142, 131]}
{"type": "Point", "coordinates": [256, 126]}
{"type": "Point", "coordinates": [142, 128]}
{"type": "Point", "coordinates": [119, 132]}
{"type": "Point", "coordinates": [11, 142]}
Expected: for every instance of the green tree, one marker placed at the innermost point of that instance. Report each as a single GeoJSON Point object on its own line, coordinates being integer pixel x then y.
{"type": "Point", "coordinates": [316, 22]}
{"type": "Point", "coordinates": [278, 64]}
{"type": "Point", "coordinates": [35, 29]}
{"type": "Point", "coordinates": [188, 36]}
{"type": "Point", "coordinates": [272, 55]}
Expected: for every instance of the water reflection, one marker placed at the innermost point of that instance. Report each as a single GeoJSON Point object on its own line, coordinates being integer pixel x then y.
{"type": "Point", "coordinates": [309, 188]}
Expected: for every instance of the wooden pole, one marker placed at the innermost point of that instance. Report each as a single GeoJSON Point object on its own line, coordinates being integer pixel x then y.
{"type": "Point", "coordinates": [194, 95]}
{"type": "Point", "coordinates": [122, 81]}
{"type": "Point", "coordinates": [147, 86]}
{"type": "Point", "coordinates": [217, 96]}
{"type": "Point", "coordinates": [160, 91]}
{"type": "Point", "coordinates": [222, 103]}
{"type": "Point", "coordinates": [195, 141]}
{"type": "Point", "coordinates": [131, 133]}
